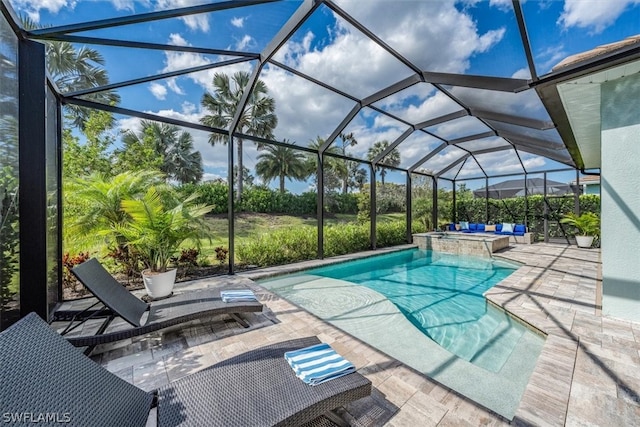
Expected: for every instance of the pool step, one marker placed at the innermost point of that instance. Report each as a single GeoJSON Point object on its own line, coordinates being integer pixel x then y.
{"type": "Point", "coordinates": [484, 342]}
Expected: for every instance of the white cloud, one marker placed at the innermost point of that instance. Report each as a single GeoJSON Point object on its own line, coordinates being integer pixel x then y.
{"type": "Point", "coordinates": [522, 73]}
{"type": "Point", "coordinates": [173, 85]}
{"type": "Point", "coordinates": [594, 15]}
{"type": "Point", "coordinates": [550, 56]}
{"type": "Point", "coordinates": [238, 22]}
{"type": "Point", "coordinates": [33, 7]}
{"type": "Point", "coordinates": [194, 22]}
{"type": "Point", "coordinates": [129, 4]}
{"type": "Point", "coordinates": [245, 42]}
{"type": "Point", "coordinates": [183, 60]}
{"type": "Point", "coordinates": [443, 44]}
{"type": "Point", "coordinates": [505, 5]}
{"type": "Point", "coordinates": [158, 90]}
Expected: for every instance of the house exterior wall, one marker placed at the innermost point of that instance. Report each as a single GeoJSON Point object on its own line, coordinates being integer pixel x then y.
{"type": "Point", "coordinates": [620, 197]}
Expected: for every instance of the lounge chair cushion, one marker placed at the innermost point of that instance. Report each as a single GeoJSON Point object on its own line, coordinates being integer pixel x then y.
{"type": "Point", "coordinates": [41, 373]}
{"type": "Point", "coordinates": [480, 228]}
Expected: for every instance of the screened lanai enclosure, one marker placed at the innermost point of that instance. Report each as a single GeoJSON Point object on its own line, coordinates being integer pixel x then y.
{"type": "Point", "coordinates": [380, 117]}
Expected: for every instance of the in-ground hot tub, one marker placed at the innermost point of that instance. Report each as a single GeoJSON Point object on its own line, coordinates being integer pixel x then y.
{"type": "Point", "coordinates": [482, 245]}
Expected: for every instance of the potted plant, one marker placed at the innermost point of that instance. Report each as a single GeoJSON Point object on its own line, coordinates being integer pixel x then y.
{"type": "Point", "coordinates": [588, 225]}
{"type": "Point", "coordinates": [155, 232]}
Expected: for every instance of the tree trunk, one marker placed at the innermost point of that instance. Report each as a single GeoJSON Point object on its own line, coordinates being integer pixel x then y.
{"type": "Point", "coordinates": [345, 184]}
{"type": "Point", "coordinates": [240, 171]}
{"type": "Point", "coordinates": [281, 183]}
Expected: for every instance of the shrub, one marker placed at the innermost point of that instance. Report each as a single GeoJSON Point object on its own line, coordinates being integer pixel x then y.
{"type": "Point", "coordinates": [279, 247]}
{"type": "Point", "coordinates": [210, 193]}
{"type": "Point", "coordinates": [221, 254]}
{"type": "Point", "coordinates": [69, 281]}
{"type": "Point", "coordinates": [343, 239]}
{"type": "Point", "coordinates": [391, 233]}
{"type": "Point", "coordinates": [292, 245]}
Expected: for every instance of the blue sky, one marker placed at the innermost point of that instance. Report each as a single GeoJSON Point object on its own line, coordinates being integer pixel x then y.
{"type": "Point", "coordinates": [467, 37]}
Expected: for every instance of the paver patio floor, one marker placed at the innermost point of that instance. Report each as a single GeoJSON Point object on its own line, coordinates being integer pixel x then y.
{"type": "Point", "coordinates": [588, 372]}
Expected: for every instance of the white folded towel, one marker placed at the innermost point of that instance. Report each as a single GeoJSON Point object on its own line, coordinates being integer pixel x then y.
{"type": "Point", "coordinates": [237, 295]}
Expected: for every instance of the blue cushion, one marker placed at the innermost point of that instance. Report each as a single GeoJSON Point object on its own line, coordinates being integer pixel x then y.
{"type": "Point", "coordinates": [473, 226]}
{"type": "Point", "coordinates": [452, 227]}
{"type": "Point", "coordinates": [480, 227]}
{"type": "Point", "coordinates": [498, 228]}
{"type": "Point", "coordinates": [519, 230]}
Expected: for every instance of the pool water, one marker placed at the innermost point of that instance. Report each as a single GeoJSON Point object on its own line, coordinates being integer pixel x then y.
{"type": "Point", "coordinates": [442, 295]}
{"type": "Point", "coordinates": [427, 310]}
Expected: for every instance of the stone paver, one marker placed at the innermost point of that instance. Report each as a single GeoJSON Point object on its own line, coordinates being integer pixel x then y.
{"type": "Point", "coordinates": [588, 372]}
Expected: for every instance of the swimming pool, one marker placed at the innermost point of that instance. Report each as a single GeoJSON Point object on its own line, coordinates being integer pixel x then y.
{"type": "Point", "coordinates": [427, 310]}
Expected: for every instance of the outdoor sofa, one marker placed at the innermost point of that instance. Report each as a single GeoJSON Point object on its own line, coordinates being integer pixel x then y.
{"type": "Point", "coordinates": [118, 301]}
{"type": "Point", "coordinates": [517, 232]}
{"type": "Point", "coordinates": [45, 380]}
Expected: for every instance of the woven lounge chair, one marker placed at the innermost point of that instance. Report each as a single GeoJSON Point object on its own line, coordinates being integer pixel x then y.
{"type": "Point", "coordinates": [117, 301]}
{"type": "Point", "coordinates": [44, 377]}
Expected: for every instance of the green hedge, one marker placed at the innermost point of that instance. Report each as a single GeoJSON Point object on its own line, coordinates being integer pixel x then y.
{"type": "Point", "coordinates": [286, 246]}
{"type": "Point", "coordinates": [265, 200]}
{"type": "Point", "coordinates": [513, 210]}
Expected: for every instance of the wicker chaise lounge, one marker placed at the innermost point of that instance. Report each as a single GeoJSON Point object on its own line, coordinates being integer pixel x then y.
{"type": "Point", "coordinates": [44, 378]}
{"type": "Point", "coordinates": [118, 301]}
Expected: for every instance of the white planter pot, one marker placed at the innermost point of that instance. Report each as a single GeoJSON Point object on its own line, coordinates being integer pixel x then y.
{"type": "Point", "coordinates": [584, 241]}
{"type": "Point", "coordinates": [159, 285]}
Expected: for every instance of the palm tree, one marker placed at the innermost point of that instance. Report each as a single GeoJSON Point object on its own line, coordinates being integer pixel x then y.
{"type": "Point", "coordinates": [346, 140]}
{"type": "Point", "coordinates": [171, 150]}
{"type": "Point", "coordinates": [181, 162]}
{"type": "Point", "coordinates": [334, 168]}
{"type": "Point", "coordinates": [281, 162]}
{"type": "Point", "coordinates": [391, 159]}
{"type": "Point", "coordinates": [257, 118]}
{"type": "Point", "coordinates": [73, 70]}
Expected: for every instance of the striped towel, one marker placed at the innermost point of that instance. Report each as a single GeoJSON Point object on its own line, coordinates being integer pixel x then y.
{"type": "Point", "coordinates": [237, 295]}
{"type": "Point", "coordinates": [318, 363]}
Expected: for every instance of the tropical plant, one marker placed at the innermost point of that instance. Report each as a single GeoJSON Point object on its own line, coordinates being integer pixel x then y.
{"type": "Point", "coordinates": [257, 117]}
{"type": "Point", "coordinates": [278, 161]}
{"type": "Point", "coordinates": [588, 223]}
{"type": "Point", "coordinates": [93, 211]}
{"type": "Point", "coordinates": [75, 69]}
{"type": "Point", "coordinates": [392, 158]}
{"type": "Point", "coordinates": [162, 145]}
{"type": "Point", "coordinates": [155, 231]}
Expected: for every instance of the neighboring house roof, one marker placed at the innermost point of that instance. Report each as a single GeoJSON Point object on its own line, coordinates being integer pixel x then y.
{"type": "Point", "coordinates": [587, 180]}
{"type": "Point", "coordinates": [516, 187]}
{"type": "Point", "coordinates": [597, 51]}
